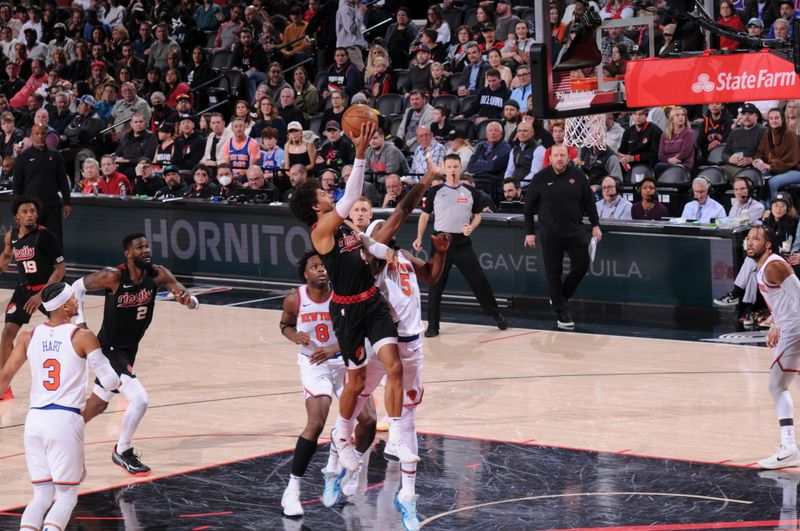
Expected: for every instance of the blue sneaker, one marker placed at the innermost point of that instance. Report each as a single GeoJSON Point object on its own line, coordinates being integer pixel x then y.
{"type": "Point", "coordinates": [333, 487]}
{"type": "Point", "coordinates": [408, 511]}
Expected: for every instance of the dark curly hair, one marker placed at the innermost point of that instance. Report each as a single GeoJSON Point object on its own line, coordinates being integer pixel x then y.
{"type": "Point", "coordinates": [303, 201]}
{"type": "Point", "coordinates": [20, 200]}
{"type": "Point", "coordinates": [301, 265]}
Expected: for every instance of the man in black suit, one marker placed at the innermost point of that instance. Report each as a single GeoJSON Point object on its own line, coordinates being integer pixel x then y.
{"type": "Point", "coordinates": [473, 76]}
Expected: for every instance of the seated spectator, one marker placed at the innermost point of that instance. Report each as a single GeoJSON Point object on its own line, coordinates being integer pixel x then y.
{"type": "Point", "coordinates": [175, 89]}
{"type": "Point", "coordinates": [395, 191]}
{"type": "Point", "coordinates": [493, 57]}
{"type": "Point", "coordinates": [126, 107]}
{"type": "Point", "coordinates": [135, 144]}
{"type": "Point", "coordinates": [37, 78]}
{"type": "Point", "coordinates": [596, 163]}
{"type": "Point", "coordinates": [165, 151]}
{"type": "Point", "coordinates": [612, 205]}
{"type": "Point", "coordinates": [289, 111]}
{"type": "Point", "coordinates": [457, 52]}
{"type": "Point", "coordinates": [250, 59]}
{"type": "Point", "coordinates": [153, 82]}
{"type": "Point", "coordinates": [160, 48]}
{"type": "Point", "coordinates": [742, 145]}
{"type": "Point", "coordinates": [272, 156]}
{"type": "Point", "coordinates": [228, 186]}
{"type": "Point", "coordinates": [258, 184]}
{"type": "Point", "coordinates": [615, 68]}
{"type": "Point", "coordinates": [189, 145]}
{"type": "Point", "coordinates": [161, 113]}
{"type": "Point", "coordinates": [112, 182]}
{"type": "Point", "coordinates": [524, 87]}
{"type": "Point", "coordinates": [744, 204]}
{"type": "Point", "coordinates": [7, 172]}
{"type": "Point", "coordinates": [702, 208]}
{"type": "Point", "coordinates": [728, 17]}
{"type": "Point", "coordinates": [426, 146]}
{"type": "Point", "coordinates": [137, 67]}
{"type": "Point", "coordinates": [328, 180]}
{"type": "Point", "coordinates": [342, 75]}
{"type": "Point", "coordinates": [10, 136]}
{"type": "Point", "coordinates": [298, 150]}
{"type": "Point", "coordinates": [267, 116]}
{"type": "Point", "coordinates": [677, 143]}
{"type": "Point", "coordinates": [491, 100]}
{"type": "Point", "coordinates": [648, 208]}
{"type": "Point", "coordinates": [216, 141]}
{"type": "Point", "coordinates": [490, 160]}
{"type": "Point", "coordinates": [99, 79]}
{"type": "Point", "coordinates": [384, 157]}
{"type": "Point", "coordinates": [512, 191]}
{"type": "Point", "coordinates": [334, 112]}
{"type": "Point", "coordinates": [337, 150]}
{"type": "Point", "coordinates": [42, 117]}
{"type": "Point", "coordinates": [381, 82]}
{"type": "Point", "coordinates": [147, 182]}
{"type": "Point", "coordinates": [307, 97]}
{"type": "Point", "coordinates": [526, 157]}
{"type": "Point", "coordinates": [557, 130]}
{"type": "Point", "coordinates": [791, 114]}
{"type": "Point", "coordinates": [485, 201]}
{"type": "Point", "coordinates": [420, 72]}
{"type": "Point", "coordinates": [781, 29]}
{"type": "Point", "coordinates": [175, 186]}
{"type": "Point", "coordinates": [616, 9]}
{"type": "Point", "coordinates": [473, 77]}
{"type": "Point", "coordinates": [441, 126]}
{"type": "Point", "coordinates": [13, 84]}
{"type": "Point", "coordinates": [778, 153]}
{"type": "Point", "coordinates": [242, 111]}
{"type": "Point", "coordinates": [60, 115]}
{"type": "Point", "coordinates": [241, 151]}
{"type": "Point", "coordinates": [715, 128]}
{"type": "Point", "coordinates": [490, 42]}
{"type": "Point", "coordinates": [614, 133]}
{"type": "Point", "coordinates": [640, 142]}
{"type": "Point", "coordinates": [438, 82]}
{"type": "Point", "coordinates": [297, 175]}
{"type": "Point", "coordinates": [511, 119]}
{"type": "Point", "coordinates": [399, 37]}
{"type": "Point", "coordinates": [616, 37]}
{"type": "Point", "coordinates": [461, 147]}
{"type": "Point", "coordinates": [106, 104]}
{"type": "Point", "coordinates": [418, 114]}
{"type": "Point", "coordinates": [91, 182]}
{"type": "Point", "coordinates": [275, 82]}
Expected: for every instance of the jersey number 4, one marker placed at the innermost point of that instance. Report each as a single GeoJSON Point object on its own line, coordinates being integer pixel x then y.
{"type": "Point", "coordinates": [53, 381]}
{"type": "Point", "coordinates": [29, 266]}
{"type": "Point", "coordinates": [323, 334]}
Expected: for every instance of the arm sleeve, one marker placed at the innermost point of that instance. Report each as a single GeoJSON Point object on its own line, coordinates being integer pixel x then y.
{"type": "Point", "coordinates": [101, 367]}
{"type": "Point", "coordinates": [80, 292]}
{"type": "Point", "coordinates": [376, 249]}
{"type": "Point", "coordinates": [352, 190]}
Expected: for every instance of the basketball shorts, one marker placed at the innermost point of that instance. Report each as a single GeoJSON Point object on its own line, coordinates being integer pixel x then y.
{"type": "Point", "coordinates": [54, 446]}
{"type": "Point", "coordinates": [355, 323]}
{"type": "Point", "coordinates": [787, 353]}
{"type": "Point", "coordinates": [15, 311]}
{"type": "Point", "coordinates": [326, 379]}
{"type": "Point", "coordinates": [411, 358]}
{"type": "Point", "coordinates": [121, 361]}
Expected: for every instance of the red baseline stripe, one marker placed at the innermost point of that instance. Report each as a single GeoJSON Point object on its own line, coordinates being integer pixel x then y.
{"type": "Point", "coordinates": [198, 515]}
{"type": "Point", "coordinates": [6, 513]}
{"type": "Point", "coordinates": [680, 527]}
{"type": "Point", "coordinates": [201, 528]}
{"type": "Point", "coordinates": [103, 518]}
{"type": "Point", "coordinates": [509, 337]}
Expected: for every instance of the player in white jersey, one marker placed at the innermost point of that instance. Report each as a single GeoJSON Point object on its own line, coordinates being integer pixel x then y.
{"type": "Point", "coordinates": [781, 290]}
{"type": "Point", "coordinates": [59, 353]}
{"type": "Point", "coordinates": [397, 280]}
{"type": "Point", "coordinates": [306, 321]}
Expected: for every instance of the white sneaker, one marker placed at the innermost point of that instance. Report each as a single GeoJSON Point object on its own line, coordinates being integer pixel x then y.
{"type": "Point", "coordinates": [398, 451]}
{"type": "Point", "coordinates": [783, 458]}
{"type": "Point", "coordinates": [350, 484]}
{"type": "Point", "coordinates": [291, 501]}
{"type": "Point", "coordinates": [346, 451]}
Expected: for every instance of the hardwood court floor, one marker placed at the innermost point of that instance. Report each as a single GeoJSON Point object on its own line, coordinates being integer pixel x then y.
{"type": "Point", "coordinates": [224, 385]}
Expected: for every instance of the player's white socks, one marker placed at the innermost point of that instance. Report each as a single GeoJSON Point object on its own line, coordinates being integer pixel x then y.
{"type": "Point", "coordinates": [138, 400]}
{"type": "Point", "coordinates": [408, 474]}
{"type": "Point", "coordinates": [58, 516]}
{"type": "Point", "coordinates": [295, 481]}
{"type": "Point", "coordinates": [408, 481]}
{"type": "Point", "coordinates": [333, 460]}
{"type": "Point", "coordinates": [344, 427]}
{"type": "Point", "coordinates": [395, 430]}
{"type": "Point", "coordinates": [788, 439]}
{"type": "Point", "coordinates": [42, 499]}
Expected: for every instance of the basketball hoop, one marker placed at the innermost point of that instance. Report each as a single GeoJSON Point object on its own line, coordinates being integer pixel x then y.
{"type": "Point", "coordinates": [582, 131]}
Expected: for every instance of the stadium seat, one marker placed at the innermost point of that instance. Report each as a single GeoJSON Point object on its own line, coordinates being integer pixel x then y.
{"type": "Point", "coordinates": [210, 38]}
{"type": "Point", "coordinates": [481, 129]}
{"type": "Point", "coordinates": [232, 82]}
{"type": "Point", "coordinates": [638, 173]}
{"type": "Point", "coordinates": [320, 80]}
{"type": "Point", "coordinates": [465, 128]}
{"type": "Point", "coordinates": [466, 102]}
{"type": "Point", "coordinates": [455, 82]}
{"type": "Point", "coordinates": [450, 101]}
{"type": "Point", "coordinates": [755, 176]}
{"type": "Point", "coordinates": [394, 124]}
{"type": "Point", "coordinates": [390, 104]}
{"type": "Point", "coordinates": [401, 76]}
{"type": "Point", "coordinates": [315, 122]}
{"type": "Point", "coordinates": [714, 175]}
{"type": "Point", "coordinates": [675, 175]}
{"type": "Point", "coordinates": [453, 19]}
{"type": "Point", "coordinates": [471, 18]}
{"type": "Point", "coordinates": [222, 60]}
{"type": "Point", "coordinates": [715, 155]}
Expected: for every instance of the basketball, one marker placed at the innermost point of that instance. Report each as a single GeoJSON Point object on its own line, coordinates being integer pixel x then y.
{"type": "Point", "coordinates": [356, 115]}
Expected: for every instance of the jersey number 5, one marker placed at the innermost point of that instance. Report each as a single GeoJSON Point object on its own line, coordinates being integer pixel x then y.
{"type": "Point", "coordinates": [29, 266]}
{"type": "Point", "coordinates": [53, 381]}
{"type": "Point", "coordinates": [323, 334]}
{"type": "Point", "coordinates": [141, 313]}
{"type": "Point", "coordinates": [405, 285]}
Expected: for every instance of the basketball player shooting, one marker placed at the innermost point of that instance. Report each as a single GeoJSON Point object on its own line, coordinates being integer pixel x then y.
{"type": "Point", "coordinates": [60, 355]}
{"type": "Point", "coordinates": [40, 263]}
{"type": "Point", "coordinates": [358, 310]}
{"type": "Point", "coordinates": [781, 290]}
{"type": "Point", "coordinates": [130, 298]}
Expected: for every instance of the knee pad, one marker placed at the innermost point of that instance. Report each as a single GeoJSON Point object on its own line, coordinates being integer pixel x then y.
{"type": "Point", "coordinates": [61, 511]}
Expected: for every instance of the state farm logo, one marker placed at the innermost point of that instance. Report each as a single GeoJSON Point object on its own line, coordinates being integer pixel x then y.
{"type": "Point", "coordinates": [763, 79]}
{"type": "Point", "coordinates": [703, 84]}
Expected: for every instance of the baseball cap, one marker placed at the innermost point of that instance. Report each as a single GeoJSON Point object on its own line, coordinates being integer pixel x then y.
{"type": "Point", "coordinates": [294, 126]}
{"type": "Point", "coordinates": [88, 99]}
{"type": "Point", "coordinates": [755, 22]}
{"type": "Point", "coordinates": [186, 116]}
{"type": "Point", "coordinates": [166, 127]}
{"type": "Point", "coordinates": [183, 97]}
{"type": "Point", "coordinates": [422, 48]}
{"type": "Point", "coordinates": [511, 103]}
{"type": "Point", "coordinates": [332, 124]}
{"type": "Point", "coordinates": [170, 169]}
{"type": "Point", "coordinates": [59, 25]}
{"type": "Point", "coordinates": [487, 27]}
{"type": "Point", "coordinates": [99, 64]}
{"type": "Point", "coordinates": [144, 159]}
{"type": "Point", "coordinates": [748, 107]}
{"type": "Point", "coordinates": [783, 196]}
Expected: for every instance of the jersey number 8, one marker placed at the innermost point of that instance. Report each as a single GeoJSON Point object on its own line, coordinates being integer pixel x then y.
{"type": "Point", "coordinates": [29, 266]}
{"type": "Point", "coordinates": [323, 334]}
{"type": "Point", "coordinates": [53, 381]}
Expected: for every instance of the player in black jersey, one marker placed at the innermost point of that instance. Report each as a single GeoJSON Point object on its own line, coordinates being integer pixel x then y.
{"type": "Point", "coordinates": [39, 263]}
{"type": "Point", "coordinates": [130, 297]}
{"type": "Point", "coordinates": [358, 310]}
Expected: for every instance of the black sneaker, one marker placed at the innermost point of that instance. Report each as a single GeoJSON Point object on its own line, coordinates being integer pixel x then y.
{"type": "Point", "coordinates": [431, 332]}
{"type": "Point", "coordinates": [502, 324]}
{"type": "Point", "coordinates": [564, 320]}
{"type": "Point", "coordinates": [130, 462]}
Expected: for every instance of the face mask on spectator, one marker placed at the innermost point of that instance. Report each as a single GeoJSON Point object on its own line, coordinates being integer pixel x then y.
{"type": "Point", "coordinates": [224, 180]}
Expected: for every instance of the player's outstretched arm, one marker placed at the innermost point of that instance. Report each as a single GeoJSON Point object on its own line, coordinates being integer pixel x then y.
{"type": "Point", "coordinates": [59, 270]}
{"type": "Point", "coordinates": [17, 359]}
{"type": "Point", "coordinates": [107, 278]}
{"type": "Point", "coordinates": [430, 271]}
{"type": "Point", "coordinates": [289, 321]}
{"type": "Point", "coordinates": [87, 346]}
{"type": "Point", "coordinates": [387, 230]}
{"type": "Point", "coordinates": [167, 279]}
{"type": "Point", "coordinates": [323, 231]}
{"type": "Point", "coordinates": [5, 256]}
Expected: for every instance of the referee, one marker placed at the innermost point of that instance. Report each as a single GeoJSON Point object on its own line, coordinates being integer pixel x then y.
{"type": "Point", "coordinates": [561, 196]}
{"type": "Point", "coordinates": [456, 210]}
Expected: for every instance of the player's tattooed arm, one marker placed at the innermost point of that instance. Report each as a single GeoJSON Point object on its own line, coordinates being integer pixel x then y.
{"type": "Point", "coordinates": [5, 256]}
{"type": "Point", "coordinates": [289, 321]}
{"type": "Point", "coordinates": [16, 360]}
{"type": "Point", "coordinates": [167, 279]}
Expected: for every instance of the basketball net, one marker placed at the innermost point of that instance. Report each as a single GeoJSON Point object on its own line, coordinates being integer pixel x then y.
{"type": "Point", "coordinates": [581, 131]}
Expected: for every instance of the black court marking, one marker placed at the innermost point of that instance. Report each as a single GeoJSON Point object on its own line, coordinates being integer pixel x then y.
{"type": "Point", "coordinates": [463, 484]}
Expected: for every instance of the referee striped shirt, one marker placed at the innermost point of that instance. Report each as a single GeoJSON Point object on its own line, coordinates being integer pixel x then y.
{"type": "Point", "coordinates": [452, 207]}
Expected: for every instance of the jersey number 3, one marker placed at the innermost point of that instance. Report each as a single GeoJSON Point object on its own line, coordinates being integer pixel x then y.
{"type": "Point", "coordinates": [53, 381]}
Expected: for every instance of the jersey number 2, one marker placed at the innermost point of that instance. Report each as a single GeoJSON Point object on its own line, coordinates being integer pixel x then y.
{"type": "Point", "coordinates": [29, 266]}
{"type": "Point", "coordinates": [141, 313]}
{"type": "Point", "coordinates": [323, 334]}
{"type": "Point", "coordinates": [53, 381]}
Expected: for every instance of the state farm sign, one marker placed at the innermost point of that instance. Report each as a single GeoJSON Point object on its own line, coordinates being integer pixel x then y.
{"type": "Point", "coordinates": [710, 79]}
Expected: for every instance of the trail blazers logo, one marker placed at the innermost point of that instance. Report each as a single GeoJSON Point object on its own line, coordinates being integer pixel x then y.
{"type": "Point", "coordinates": [131, 300]}
{"type": "Point", "coordinates": [26, 252]}
{"type": "Point", "coordinates": [349, 242]}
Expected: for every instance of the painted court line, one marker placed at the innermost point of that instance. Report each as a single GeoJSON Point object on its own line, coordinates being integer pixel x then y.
{"type": "Point", "coordinates": [685, 527]}
{"type": "Point", "coordinates": [529, 332]}
{"type": "Point", "coordinates": [255, 300]}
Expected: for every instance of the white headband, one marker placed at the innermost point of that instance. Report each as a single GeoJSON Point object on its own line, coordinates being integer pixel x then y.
{"type": "Point", "coordinates": [59, 300]}
{"type": "Point", "coordinates": [372, 226]}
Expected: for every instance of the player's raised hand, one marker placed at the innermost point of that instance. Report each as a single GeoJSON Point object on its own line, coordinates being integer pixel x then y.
{"type": "Point", "coordinates": [435, 169]}
{"type": "Point", "coordinates": [441, 241]}
{"type": "Point", "coordinates": [361, 142]}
